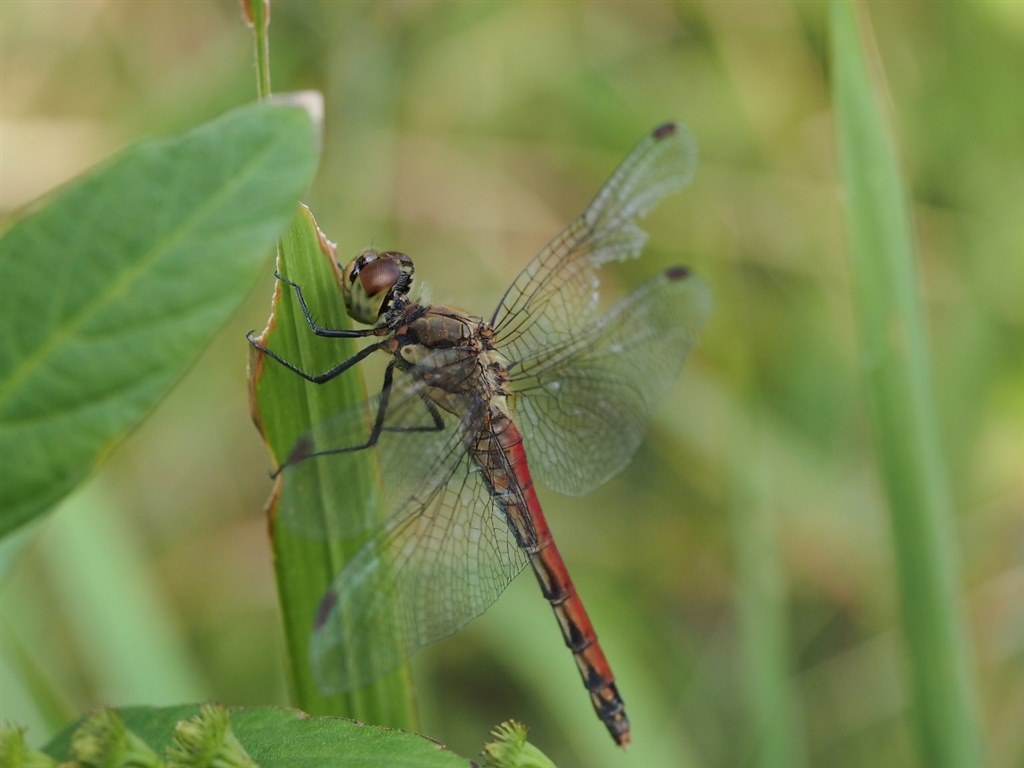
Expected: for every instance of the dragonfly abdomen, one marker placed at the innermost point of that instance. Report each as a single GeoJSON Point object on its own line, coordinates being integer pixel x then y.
{"type": "Point", "coordinates": [501, 456]}
{"type": "Point", "coordinates": [580, 638]}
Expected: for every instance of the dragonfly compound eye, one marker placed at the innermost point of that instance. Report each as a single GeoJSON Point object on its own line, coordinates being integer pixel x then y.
{"type": "Point", "coordinates": [373, 281]}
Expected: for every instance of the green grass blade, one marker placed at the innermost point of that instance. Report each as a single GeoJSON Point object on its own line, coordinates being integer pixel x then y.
{"type": "Point", "coordinates": [896, 366]}
{"type": "Point", "coordinates": [257, 14]}
{"type": "Point", "coordinates": [286, 406]}
{"type": "Point", "coordinates": [110, 289]}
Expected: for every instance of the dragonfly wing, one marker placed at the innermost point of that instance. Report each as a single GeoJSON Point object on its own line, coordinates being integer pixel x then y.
{"type": "Point", "coordinates": [443, 559]}
{"type": "Point", "coordinates": [583, 407]}
{"type": "Point", "coordinates": [557, 293]}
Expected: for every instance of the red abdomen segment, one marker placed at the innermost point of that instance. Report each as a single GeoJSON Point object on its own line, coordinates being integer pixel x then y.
{"type": "Point", "coordinates": [501, 456]}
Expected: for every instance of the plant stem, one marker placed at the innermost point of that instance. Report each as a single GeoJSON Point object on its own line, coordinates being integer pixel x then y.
{"type": "Point", "coordinates": [287, 407]}
{"type": "Point", "coordinates": [257, 15]}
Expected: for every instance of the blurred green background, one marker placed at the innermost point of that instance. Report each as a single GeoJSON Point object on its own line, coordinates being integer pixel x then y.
{"type": "Point", "coordinates": [751, 531]}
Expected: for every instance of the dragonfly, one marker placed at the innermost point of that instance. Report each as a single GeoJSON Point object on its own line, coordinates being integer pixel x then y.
{"type": "Point", "coordinates": [554, 385]}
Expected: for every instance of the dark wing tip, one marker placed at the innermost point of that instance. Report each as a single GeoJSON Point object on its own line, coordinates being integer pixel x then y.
{"type": "Point", "coordinates": [303, 450]}
{"type": "Point", "coordinates": [665, 130]}
{"type": "Point", "coordinates": [678, 273]}
{"type": "Point", "coordinates": [323, 610]}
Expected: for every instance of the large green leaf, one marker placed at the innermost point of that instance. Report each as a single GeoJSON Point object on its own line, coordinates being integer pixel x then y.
{"type": "Point", "coordinates": [113, 286]}
{"type": "Point", "coordinates": [280, 737]}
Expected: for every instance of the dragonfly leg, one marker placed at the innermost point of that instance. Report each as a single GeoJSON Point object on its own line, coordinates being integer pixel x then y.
{"type": "Point", "coordinates": [304, 449]}
{"type": "Point", "coordinates": [434, 412]}
{"type": "Point", "coordinates": [316, 378]}
{"type": "Point", "coordinates": [331, 333]}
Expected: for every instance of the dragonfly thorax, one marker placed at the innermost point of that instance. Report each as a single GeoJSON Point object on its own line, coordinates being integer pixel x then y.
{"type": "Point", "coordinates": [373, 284]}
{"type": "Point", "coordinates": [452, 354]}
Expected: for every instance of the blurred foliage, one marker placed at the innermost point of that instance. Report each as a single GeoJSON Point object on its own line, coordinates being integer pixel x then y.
{"type": "Point", "coordinates": [466, 134]}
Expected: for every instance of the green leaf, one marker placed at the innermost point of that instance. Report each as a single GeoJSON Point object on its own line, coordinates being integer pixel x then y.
{"type": "Point", "coordinates": [113, 286]}
{"type": "Point", "coordinates": [331, 499]}
{"type": "Point", "coordinates": [896, 364]}
{"type": "Point", "coordinates": [282, 738]}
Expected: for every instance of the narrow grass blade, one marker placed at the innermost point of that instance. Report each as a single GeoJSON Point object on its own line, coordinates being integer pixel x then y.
{"type": "Point", "coordinates": [285, 406]}
{"type": "Point", "coordinates": [766, 666]}
{"type": "Point", "coordinates": [894, 353]}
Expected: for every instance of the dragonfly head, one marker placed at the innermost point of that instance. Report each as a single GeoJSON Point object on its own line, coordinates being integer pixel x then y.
{"type": "Point", "coordinates": [374, 283]}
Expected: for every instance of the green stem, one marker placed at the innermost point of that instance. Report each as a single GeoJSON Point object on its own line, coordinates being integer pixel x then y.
{"type": "Point", "coordinates": [285, 408]}
{"type": "Point", "coordinates": [894, 351]}
{"type": "Point", "coordinates": [257, 15]}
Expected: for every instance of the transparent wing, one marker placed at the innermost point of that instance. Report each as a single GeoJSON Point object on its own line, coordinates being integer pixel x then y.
{"type": "Point", "coordinates": [585, 384]}
{"type": "Point", "coordinates": [583, 407]}
{"type": "Point", "coordinates": [444, 557]}
{"type": "Point", "coordinates": [554, 299]}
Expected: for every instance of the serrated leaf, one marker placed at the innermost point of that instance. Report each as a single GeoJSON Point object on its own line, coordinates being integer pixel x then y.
{"type": "Point", "coordinates": [112, 287]}
{"type": "Point", "coordinates": [284, 738]}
